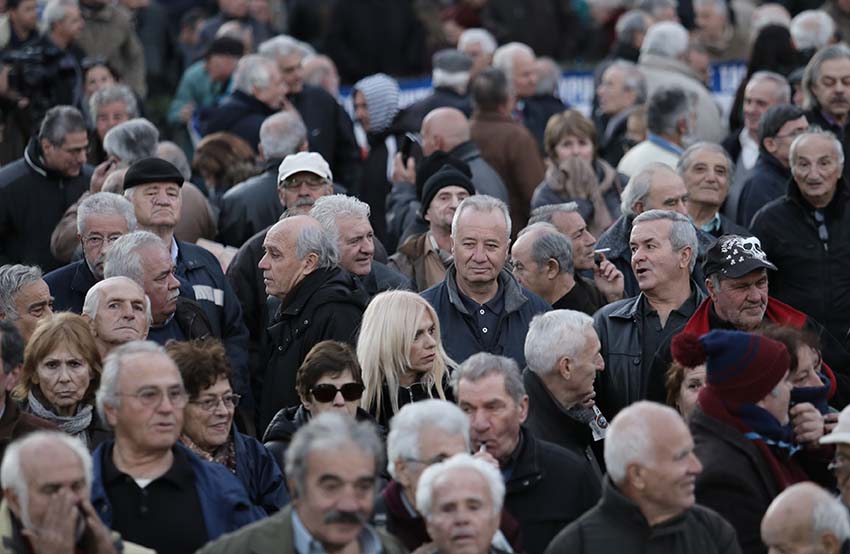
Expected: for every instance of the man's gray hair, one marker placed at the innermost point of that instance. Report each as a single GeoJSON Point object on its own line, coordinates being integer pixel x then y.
{"type": "Point", "coordinates": [812, 29]}
{"type": "Point", "coordinates": [550, 244]}
{"type": "Point", "coordinates": [480, 36]}
{"type": "Point", "coordinates": [429, 477]}
{"type": "Point", "coordinates": [654, 7]}
{"type": "Point", "coordinates": [173, 154]}
{"type": "Point", "coordinates": [109, 95]}
{"type": "Point", "coordinates": [13, 278]}
{"type": "Point", "coordinates": [811, 74]}
{"type": "Point", "coordinates": [124, 259]}
{"type": "Point", "coordinates": [328, 209]}
{"type": "Point", "coordinates": [59, 122]}
{"type": "Point", "coordinates": [95, 294]}
{"type": "Point", "coordinates": [783, 89]}
{"type": "Point", "coordinates": [638, 187]}
{"type": "Point", "coordinates": [682, 231]}
{"type": "Point", "coordinates": [253, 70]}
{"type": "Point", "coordinates": [284, 45]}
{"type": "Point", "coordinates": [633, 78]}
{"type": "Point", "coordinates": [12, 468]}
{"type": "Point", "coordinates": [107, 392]}
{"type": "Point", "coordinates": [549, 77]}
{"type": "Point", "coordinates": [317, 240]}
{"type": "Point", "coordinates": [630, 25]}
{"type": "Point", "coordinates": [106, 203]}
{"type": "Point", "coordinates": [503, 57]}
{"type": "Point", "coordinates": [482, 203]}
{"type": "Point", "coordinates": [546, 214]}
{"type": "Point", "coordinates": [666, 107]}
{"type": "Point", "coordinates": [687, 157]}
{"type": "Point", "coordinates": [405, 426]}
{"type": "Point", "coordinates": [282, 134]}
{"type": "Point", "coordinates": [55, 12]}
{"type": "Point", "coordinates": [719, 5]}
{"type": "Point", "coordinates": [554, 335]}
{"type": "Point", "coordinates": [629, 437]}
{"type": "Point", "coordinates": [132, 141]}
{"type": "Point", "coordinates": [815, 132]}
{"type": "Point", "coordinates": [666, 39]}
{"type": "Point", "coordinates": [830, 516]}
{"type": "Point", "coordinates": [484, 364]}
{"type": "Point", "coordinates": [330, 431]}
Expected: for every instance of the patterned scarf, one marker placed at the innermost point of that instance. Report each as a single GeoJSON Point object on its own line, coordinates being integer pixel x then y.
{"type": "Point", "coordinates": [74, 425]}
{"type": "Point", "coordinates": [224, 454]}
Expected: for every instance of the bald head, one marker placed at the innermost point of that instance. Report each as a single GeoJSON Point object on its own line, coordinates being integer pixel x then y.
{"type": "Point", "coordinates": [444, 129]}
{"type": "Point", "coordinates": [118, 311]}
{"type": "Point", "coordinates": [805, 517]}
{"type": "Point", "coordinates": [294, 248]}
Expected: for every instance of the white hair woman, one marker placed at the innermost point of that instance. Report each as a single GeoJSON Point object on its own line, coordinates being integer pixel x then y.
{"type": "Point", "coordinates": [401, 353]}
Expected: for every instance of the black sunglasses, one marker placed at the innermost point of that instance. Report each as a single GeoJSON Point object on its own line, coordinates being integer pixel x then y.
{"type": "Point", "coordinates": [326, 392]}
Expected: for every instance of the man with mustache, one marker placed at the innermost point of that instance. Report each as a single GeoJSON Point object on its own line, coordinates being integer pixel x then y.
{"type": "Point", "coordinates": [648, 499]}
{"type": "Point", "coordinates": [826, 90]}
{"type": "Point", "coordinates": [332, 468]}
{"type": "Point", "coordinates": [102, 218]}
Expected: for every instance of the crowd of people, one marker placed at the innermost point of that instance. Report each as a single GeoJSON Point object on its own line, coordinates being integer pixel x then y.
{"type": "Point", "coordinates": [241, 314]}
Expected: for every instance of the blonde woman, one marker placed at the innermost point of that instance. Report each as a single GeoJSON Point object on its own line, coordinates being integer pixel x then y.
{"type": "Point", "coordinates": [401, 354]}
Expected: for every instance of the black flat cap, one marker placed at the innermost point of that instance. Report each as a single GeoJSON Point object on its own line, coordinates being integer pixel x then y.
{"type": "Point", "coordinates": [152, 170]}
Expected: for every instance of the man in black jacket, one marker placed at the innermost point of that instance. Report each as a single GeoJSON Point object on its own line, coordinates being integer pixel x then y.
{"type": "Point", "coordinates": [537, 473]}
{"type": "Point", "coordinates": [314, 300]}
{"type": "Point", "coordinates": [826, 95]}
{"type": "Point", "coordinates": [37, 189]}
{"type": "Point", "coordinates": [648, 500]}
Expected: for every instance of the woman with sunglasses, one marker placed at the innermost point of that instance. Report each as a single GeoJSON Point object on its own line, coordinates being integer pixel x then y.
{"type": "Point", "coordinates": [327, 381]}
{"type": "Point", "coordinates": [401, 353]}
{"type": "Point", "coordinates": [208, 428]}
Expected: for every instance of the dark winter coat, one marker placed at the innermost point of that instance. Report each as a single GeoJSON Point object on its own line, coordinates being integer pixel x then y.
{"type": "Point", "coordinates": [259, 473]}
{"type": "Point", "coordinates": [249, 207]}
{"type": "Point", "coordinates": [240, 114]}
{"type": "Point", "coordinates": [768, 181]}
{"type": "Point", "coordinates": [69, 286]}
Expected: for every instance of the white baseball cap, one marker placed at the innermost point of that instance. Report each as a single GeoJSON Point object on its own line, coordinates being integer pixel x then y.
{"type": "Point", "coordinates": [310, 162]}
{"type": "Point", "coordinates": [841, 432]}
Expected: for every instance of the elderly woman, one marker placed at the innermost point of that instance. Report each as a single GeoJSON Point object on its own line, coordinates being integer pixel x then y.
{"type": "Point", "coordinates": [108, 107]}
{"type": "Point", "coordinates": [60, 376]}
{"type": "Point", "coordinates": [208, 428]}
{"type": "Point", "coordinates": [575, 173]}
{"type": "Point", "coordinates": [402, 356]}
{"type": "Point", "coordinates": [328, 381]}
{"type": "Point", "coordinates": [683, 386]}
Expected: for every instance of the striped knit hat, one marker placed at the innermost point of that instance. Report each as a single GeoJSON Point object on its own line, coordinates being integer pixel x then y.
{"type": "Point", "coordinates": [382, 95]}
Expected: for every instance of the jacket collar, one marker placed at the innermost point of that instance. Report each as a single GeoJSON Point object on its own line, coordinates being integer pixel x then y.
{"type": "Point", "coordinates": [466, 151]}
{"type": "Point", "coordinates": [654, 61]}
{"type": "Point", "coordinates": [842, 194]}
{"type": "Point", "coordinates": [83, 278]}
{"type": "Point", "coordinates": [247, 101]}
{"type": "Point", "coordinates": [491, 116]}
{"type": "Point", "coordinates": [631, 307]}
{"type": "Point", "coordinates": [552, 410]}
{"type": "Point", "coordinates": [35, 159]}
{"type": "Point", "coordinates": [526, 468]}
{"type": "Point", "coordinates": [296, 301]}
{"type": "Point", "coordinates": [514, 297]}
{"type": "Point", "coordinates": [627, 511]}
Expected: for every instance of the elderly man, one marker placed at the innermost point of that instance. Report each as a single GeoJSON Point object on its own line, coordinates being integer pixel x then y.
{"type": "Point", "coordinates": [118, 311]}
{"type": "Point", "coordinates": [330, 129]}
{"type": "Point", "coordinates": [825, 94]}
{"type": "Point", "coordinates": [505, 144]}
{"type": "Point", "coordinates": [621, 89]}
{"type": "Point", "coordinates": [36, 189]}
{"type": "Point", "coordinates": [108, 107]}
{"type": "Point", "coordinates": [805, 233]}
{"type": "Point", "coordinates": [423, 434]}
{"type": "Point", "coordinates": [346, 219]}
{"type": "Point", "coordinates": [569, 222]}
{"type": "Point", "coordinates": [669, 115]}
{"type": "Point", "coordinates": [490, 391]}
{"type": "Point", "coordinates": [706, 170]}
{"type": "Point", "coordinates": [14, 423]}
{"type": "Point", "coordinates": [648, 496]}
{"type": "Point", "coordinates": [450, 81]}
{"type": "Point", "coordinates": [424, 257]}
{"type": "Point", "coordinates": [102, 218]}
{"type": "Point", "coordinates": [769, 178]}
{"type": "Point", "coordinates": [258, 92]}
{"type": "Point", "coordinates": [257, 203]}
{"type": "Point", "coordinates": [718, 34]}
{"type": "Point", "coordinates": [839, 436]}
{"type": "Point", "coordinates": [744, 469]}
{"type": "Point", "coordinates": [656, 187]}
{"type": "Point", "coordinates": [480, 305]}
{"type": "Point", "coordinates": [332, 465]}
{"type": "Point", "coordinates": [736, 279]}
{"type": "Point", "coordinates": [563, 355]}
{"type": "Point", "coordinates": [478, 44]}
{"type": "Point", "coordinates": [461, 499]}
{"type": "Point", "coordinates": [806, 517]}
{"type": "Point", "coordinates": [147, 486]}
{"type": "Point", "coordinates": [542, 262]}
{"type": "Point", "coordinates": [664, 247]}
{"type": "Point", "coordinates": [47, 481]}
{"type": "Point", "coordinates": [315, 300]}
{"type": "Point", "coordinates": [812, 30]}
{"type": "Point", "coordinates": [21, 23]}
{"type": "Point", "coordinates": [662, 60]}
{"type": "Point", "coordinates": [24, 297]}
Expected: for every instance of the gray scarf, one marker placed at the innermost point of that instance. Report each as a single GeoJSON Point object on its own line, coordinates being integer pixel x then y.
{"type": "Point", "coordinates": [74, 425]}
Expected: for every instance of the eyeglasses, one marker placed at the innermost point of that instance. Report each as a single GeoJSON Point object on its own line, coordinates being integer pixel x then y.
{"type": "Point", "coordinates": [312, 184]}
{"type": "Point", "coordinates": [326, 392]}
{"type": "Point", "coordinates": [438, 459]}
{"type": "Point", "coordinates": [152, 397]}
{"type": "Point", "coordinates": [94, 241]}
{"type": "Point", "coordinates": [210, 403]}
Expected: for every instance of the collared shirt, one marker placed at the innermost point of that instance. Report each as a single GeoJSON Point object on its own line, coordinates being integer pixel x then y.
{"type": "Point", "coordinates": [487, 315]}
{"type": "Point", "coordinates": [165, 514]}
{"type": "Point", "coordinates": [664, 143]}
{"type": "Point", "coordinates": [175, 250]}
{"type": "Point", "coordinates": [653, 335]}
{"type": "Point", "coordinates": [749, 149]}
{"type": "Point", "coordinates": [713, 225]}
{"type": "Point", "coordinates": [370, 542]}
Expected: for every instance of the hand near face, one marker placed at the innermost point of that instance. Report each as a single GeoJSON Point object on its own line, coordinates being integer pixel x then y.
{"type": "Point", "coordinates": [830, 420]}
{"type": "Point", "coordinates": [97, 533]}
{"type": "Point", "coordinates": [608, 279]}
{"type": "Point", "coordinates": [808, 423]}
{"type": "Point", "coordinates": [404, 173]}
{"type": "Point", "coordinates": [57, 532]}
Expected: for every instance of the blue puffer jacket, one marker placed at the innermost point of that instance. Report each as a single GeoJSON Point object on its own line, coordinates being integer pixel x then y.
{"type": "Point", "coordinates": [259, 473]}
{"type": "Point", "coordinates": [461, 337]}
{"type": "Point", "coordinates": [225, 505]}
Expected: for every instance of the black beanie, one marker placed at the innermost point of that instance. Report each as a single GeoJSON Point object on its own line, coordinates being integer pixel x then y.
{"type": "Point", "coordinates": [433, 163]}
{"type": "Point", "coordinates": [152, 170]}
{"type": "Point", "coordinates": [447, 176]}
